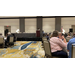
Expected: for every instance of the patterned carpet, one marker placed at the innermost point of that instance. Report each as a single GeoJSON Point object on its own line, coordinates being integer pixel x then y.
{"type": "Point", "coordinates": [23, 49]}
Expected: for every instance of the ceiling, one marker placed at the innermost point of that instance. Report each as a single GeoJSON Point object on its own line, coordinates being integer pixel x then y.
{"type": "Point", "coordinates": [17, 17]}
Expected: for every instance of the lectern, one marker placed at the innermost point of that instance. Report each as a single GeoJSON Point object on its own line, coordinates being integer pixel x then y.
{"type": "Point", "coordinates": [37, 33]}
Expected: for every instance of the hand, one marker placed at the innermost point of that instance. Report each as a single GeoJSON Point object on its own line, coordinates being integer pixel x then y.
{"type": "Point", "coordinates": [62, 37]}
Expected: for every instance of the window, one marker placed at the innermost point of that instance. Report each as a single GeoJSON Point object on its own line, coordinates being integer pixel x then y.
{"type": "Point", "coordinates": [67, 22]}
{"type": "Point", "coordinates": [30, 25]}
{"type": "Point", "coordinates": [48, 25]}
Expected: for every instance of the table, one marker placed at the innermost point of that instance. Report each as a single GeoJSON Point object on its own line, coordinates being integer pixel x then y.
{"type": "Point", "coordinates": [23, 49]}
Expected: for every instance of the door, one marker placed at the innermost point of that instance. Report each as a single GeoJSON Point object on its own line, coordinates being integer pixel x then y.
{"type": "Point", "coordinates": [7, 27]}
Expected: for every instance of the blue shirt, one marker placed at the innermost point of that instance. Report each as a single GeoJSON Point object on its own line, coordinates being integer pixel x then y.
{"type": "Point", "coordinates": [69, 45]}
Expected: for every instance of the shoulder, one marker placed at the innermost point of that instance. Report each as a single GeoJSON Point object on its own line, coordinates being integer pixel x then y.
{"type": "Point", "coordinates": [71, 40]}
{"type": "Point", "coordinates": [54, 38]}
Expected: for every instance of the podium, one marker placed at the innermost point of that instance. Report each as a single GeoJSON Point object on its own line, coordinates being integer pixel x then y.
{"type": "Point", "coordinates": [37, 33]}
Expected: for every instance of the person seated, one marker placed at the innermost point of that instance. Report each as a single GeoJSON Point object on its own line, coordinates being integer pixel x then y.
{"type": "Point", "coordinates": [65, 35]}
{"type": "Point", "coordinates": [2, 44]}
{"type": "Point", "coordinates": [51, 35]}
{"type": "Point", "coordinates": [1, 35]}
{"type": "Point", "coordinates": [44, 35]}
{"type": "Point", "coordinates": [57, 46]}
{"type": "Point", "coordinates": [8, 39]}
{"type": "Point", "coordinates": [14, 37]}
{"type": "Point", "coordinates": [60, 36]}
{"type": "Point", "coordinates": [69, 45]}
{"type": "Point", "coordinates": [5, 38]}
{"type": "Point", "coordinates": [47, 36]}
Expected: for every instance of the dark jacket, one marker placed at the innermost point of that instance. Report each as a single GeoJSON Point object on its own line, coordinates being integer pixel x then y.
{"type": "Point", "coordinates": [8, 37]}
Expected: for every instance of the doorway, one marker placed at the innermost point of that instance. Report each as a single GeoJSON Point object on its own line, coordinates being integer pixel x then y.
{"type": "Point", "coordinates": [7, 29]}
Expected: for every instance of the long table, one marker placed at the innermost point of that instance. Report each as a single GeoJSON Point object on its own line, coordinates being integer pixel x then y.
{"type": "Point", "coordinates": [29, 39]}
{"type": "Point", "coordinates": [23, 49]}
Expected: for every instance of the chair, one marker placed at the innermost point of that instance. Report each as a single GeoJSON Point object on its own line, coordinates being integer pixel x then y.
{"type": "Point", "coordinates": [73, 51]}
{"type": "Point", "coordinates": [44, 39]}
{"type": "Point", "coordinates": [2, 42]}
{"type": "Point", "coordinates": [11, 41]}
{"type": "Point", "coordinates": [47, 49]}
{"type": "Point", "coordinates": [68, 38]}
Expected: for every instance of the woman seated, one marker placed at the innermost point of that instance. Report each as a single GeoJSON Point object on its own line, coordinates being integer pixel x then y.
{"type": "Point", "coordinates": [57, 46]}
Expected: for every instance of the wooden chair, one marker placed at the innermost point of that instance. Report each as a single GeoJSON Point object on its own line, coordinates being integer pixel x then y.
{"type": "Point", "coordinates": [11, 41]}
{"type": "Point", "coordinates": [1, 42]}
{"type": "Point", "coordinates": [47, 49]}
{"type": "Point", "coordinates": [73, 51]}
{"type": "Point", "coordinates": [68, 38]}
{"type": "Point", "coordinates": [43, 39]}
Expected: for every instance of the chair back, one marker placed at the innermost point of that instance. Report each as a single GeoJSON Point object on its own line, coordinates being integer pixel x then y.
{"type": "Point", "coordinates": [44, 39]}
{"type": "Point", "coordinates": [11, 39]}
{"type": "Point", "coordinates": [73, 51]}
{"type": "Point", "coordinates": [1, 40]}
{"type": "Point", "coordinates": [47, 48]}
{"type": "Point", "coordinates": [68, 38]}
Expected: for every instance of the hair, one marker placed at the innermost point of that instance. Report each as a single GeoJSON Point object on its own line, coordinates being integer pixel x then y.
{"type": "Point", "coordinates": [55, 33]}
{"type": "Point", "coordinates": [38, 28]}
{"type": "Point", "coordinates": [68, 34]}
{"type": "Point", "coordinates": [74, 34]}
{"type": "Point", "coordinates": [9, 33]}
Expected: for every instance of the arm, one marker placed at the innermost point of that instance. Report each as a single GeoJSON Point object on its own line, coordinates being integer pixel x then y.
{"type": "Point", "coordinates": [64, 40]}
{"type": "Point", "coordinates": [61, 43]}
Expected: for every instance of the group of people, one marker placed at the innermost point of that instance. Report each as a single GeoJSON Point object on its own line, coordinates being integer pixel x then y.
{"type": "Point", "coordinates": [7, 38]}
{"type": "Point", "coordinates": [59, 46]}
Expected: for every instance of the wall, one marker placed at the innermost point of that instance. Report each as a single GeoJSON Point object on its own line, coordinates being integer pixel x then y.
{"type": "Point", "coordinates": [48, 25]}
{"type": "Point", "coordinates": [14, 23]}
{"type": "Point", "coordinates": [30, 25]}
{"type": "Point", "coordinates": [67, 22]}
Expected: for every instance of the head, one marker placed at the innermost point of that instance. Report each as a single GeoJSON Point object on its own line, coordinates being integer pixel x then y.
{"type": "Point", "coordinates": [74, 34]}
{"type": "Point", "coordinates": [47, 34]}
{"type": "Point", "coordinates": [59, 34]}
{"type": "Point", "coordinates": [38, 29]}
{"type": "Point", "coordinates": [55, 34]}
{"type": "Point", "coordinates": [44, 35]}
{"type": "Point", "coordinates": [68, 34]}
{"type": "Point", "coordinates": [0, 33]}
{"type": "Point", "coordinates": [9, 33]}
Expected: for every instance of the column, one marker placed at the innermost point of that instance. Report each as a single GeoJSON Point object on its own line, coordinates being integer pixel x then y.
{"type": "Point", "coordinates": [58, 23]}
{"type": "Point", "coordinates": [22, 25]}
